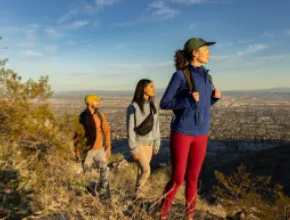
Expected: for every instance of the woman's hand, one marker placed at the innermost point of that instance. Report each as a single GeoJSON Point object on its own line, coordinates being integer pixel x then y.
{"type": "Point", "coordinates": [217, 94]}
{"type": "Point", "coordinates": [195, 96]}
{"type": "Point", "coordinates": [155, 152]}
{"type": "Point", "coordinates": [136, 156]}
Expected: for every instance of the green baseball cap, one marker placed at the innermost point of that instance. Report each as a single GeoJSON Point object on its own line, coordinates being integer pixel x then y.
{"type": "Point", "coordinates": [195, 43]}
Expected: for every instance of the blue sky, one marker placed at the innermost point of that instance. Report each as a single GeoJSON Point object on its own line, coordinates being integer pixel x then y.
{"type": "Point", "coordinates": [111, 44]}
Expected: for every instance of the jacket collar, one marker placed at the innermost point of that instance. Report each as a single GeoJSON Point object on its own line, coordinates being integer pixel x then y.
{"type": "Point", "coordinates": [201, 70]}
{"type": "Point", "coordinates": [89, 113]}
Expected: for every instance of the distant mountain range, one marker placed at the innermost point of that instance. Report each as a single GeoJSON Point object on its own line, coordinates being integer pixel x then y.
{"type": "Point", "coordinates": [159, 92]}
{"type": "Point", "coordinates": [271, 90]}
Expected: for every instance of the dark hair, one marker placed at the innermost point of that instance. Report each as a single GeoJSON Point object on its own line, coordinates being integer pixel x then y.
{"type": "Point", "coordinates": [139, 95]}
{"type": "Point", "coordinates": [182, 58]}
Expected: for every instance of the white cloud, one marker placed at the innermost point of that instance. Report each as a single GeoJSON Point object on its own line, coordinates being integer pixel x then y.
{"type": "Point", "coordinates": [156, 11]}
{"type": "Point", "coordinates": [159, 10]}
{"type": "Point", "coordinates": [288, 32]}
{"type": "Point", "coordinates": [31, 53]}
{"type": "Point", "coordinates": [244, 41]}
{"type": "Point", "coordinates": [53, 33]}
{"type": "Point", "coordinates": [268, 34]}
{"type": "Point", "coordinates": [188, 1]}
{"type": "Point", "coordinates": [191, 2]}
{"type": "Point", "coordinates": [52, 49]}
{"type": "Point", "coordinates": [76, 25]}
{"type": "Point", "coordinates": [67, 16]}
{"type": "Point", "coordinates": [273, 57]}
{"type": "Point", "coordinates": [28, 34]}
{"type": "Point", "coordinates": [252, 49]}
{"type": "Point", "coordinates": [58, 31]}
{"type": "Point", "coordinates": [103, 3]}
{"type": "Point", "coordinates": [87, 8]}
{"type": "Point", "coordinates": [97, 5]}
{"type": "Point", "coordinates": [237, 62]}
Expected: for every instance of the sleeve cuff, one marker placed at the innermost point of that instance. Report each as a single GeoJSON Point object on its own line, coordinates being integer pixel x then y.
{"type": "Point", "coordinates": [156, 145]}
{"type": "Point", "coordinates": [135, 150]}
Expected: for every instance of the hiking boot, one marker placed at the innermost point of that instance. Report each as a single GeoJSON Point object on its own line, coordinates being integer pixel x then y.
{"type": "Point", "coordinates": [104, 192]}
{"type": "Point", "coordinates": [91, 188]}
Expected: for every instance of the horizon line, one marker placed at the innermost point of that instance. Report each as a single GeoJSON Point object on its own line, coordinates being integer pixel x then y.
{"type": "Point", "coordinates": [228, 90]}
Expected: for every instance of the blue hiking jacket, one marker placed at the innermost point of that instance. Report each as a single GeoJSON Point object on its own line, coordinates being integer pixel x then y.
{"type": "Point", "coordinates": [186, 110]}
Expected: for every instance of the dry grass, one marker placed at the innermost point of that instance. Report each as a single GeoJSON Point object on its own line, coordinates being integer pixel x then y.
{"type": "Point", "coordinates": [55, 189]}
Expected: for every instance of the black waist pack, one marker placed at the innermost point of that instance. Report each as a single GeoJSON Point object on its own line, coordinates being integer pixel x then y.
{"type": "Point", "coordinates": [146, 126]}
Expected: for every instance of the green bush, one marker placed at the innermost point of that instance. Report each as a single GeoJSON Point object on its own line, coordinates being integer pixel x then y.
{"type": "Point", "coordinates": [242, 191]}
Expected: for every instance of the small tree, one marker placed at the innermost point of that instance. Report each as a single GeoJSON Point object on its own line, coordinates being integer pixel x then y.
{"type": "Point", "coordinates": [248, 192]}
{"type": "Point", "coordinates": [24, 114]}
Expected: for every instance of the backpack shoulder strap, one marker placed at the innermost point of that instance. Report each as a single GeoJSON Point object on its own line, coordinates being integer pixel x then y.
{"type": "Point", "coordinates": [209, 77]}
{"type": "Point", "coordinates": [189, 79]}
{"type": "Point", "coordinates": [82, 118]}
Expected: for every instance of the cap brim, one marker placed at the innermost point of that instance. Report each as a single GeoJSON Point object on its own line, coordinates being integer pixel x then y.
{"type": "Point", "coordinates": [209, 43]}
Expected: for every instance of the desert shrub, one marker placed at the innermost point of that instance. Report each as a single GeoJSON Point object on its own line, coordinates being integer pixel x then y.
{"type": "Point", "coordinates": [28, 127]}
{"type": "Point", "coordinates": [242, 191]}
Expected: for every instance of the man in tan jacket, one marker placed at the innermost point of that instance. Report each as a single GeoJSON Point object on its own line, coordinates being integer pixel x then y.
{"type": "Point", "coordinates": [98, 140]}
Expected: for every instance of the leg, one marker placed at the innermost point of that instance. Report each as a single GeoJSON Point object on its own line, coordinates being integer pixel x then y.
{"type": "Point", "coordinates": [196, 158]}
{"type": "Point", "coordinates": [144, 165]}
{"type": "Point", "coordinates": [149, 152]}
{"type": "Point", "coordinates": [179, 146]}
{"type": "Point", "coordinates": [88, 163]}
{"type": "Point", "coordinates": [101, 158]}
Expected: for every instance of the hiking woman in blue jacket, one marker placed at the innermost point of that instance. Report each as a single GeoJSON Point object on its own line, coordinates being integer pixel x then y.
{"type": "Point", "coordinates": [189, 129]}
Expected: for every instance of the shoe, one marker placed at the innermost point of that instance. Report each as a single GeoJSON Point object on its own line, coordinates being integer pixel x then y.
{"type": "Point", "coordinates": [91, 188]}
{"type": "Point", "coordinates": [139, 194]}
{"type": "Point", "coordinates": [104, 192]}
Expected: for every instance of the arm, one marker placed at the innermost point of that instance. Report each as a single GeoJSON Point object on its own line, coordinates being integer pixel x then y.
{"type": "Point", "coordinates": [157, 142]}
{"type": "Point", "coordinates": [78, 136]}
{"type": "Point", "coordinates": [130, 129]}
{"type": "Point", "coordinates": [169, 100]}
{"type": "Point", "coordinates": [214, 100]}
{"type": "Point", "coordinates": [106, 130]}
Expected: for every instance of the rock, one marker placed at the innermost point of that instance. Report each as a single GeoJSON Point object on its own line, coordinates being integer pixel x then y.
{"type": "Point", "coordinates": [119, 164]}
{"type": "Point", "coordinates": [252, 217]}
{"type": "Point", "coordinates": [211, 199]}
{"type": "Point", "coordinates": [206, 216]}
{"type": "Point", "coordinates": [241, 215]}
{"type": "Point", "coordinates": [162, 165]}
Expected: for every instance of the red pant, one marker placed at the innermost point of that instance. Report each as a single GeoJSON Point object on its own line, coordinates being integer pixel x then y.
{"type": "Point", "coordinates": [187, 155]}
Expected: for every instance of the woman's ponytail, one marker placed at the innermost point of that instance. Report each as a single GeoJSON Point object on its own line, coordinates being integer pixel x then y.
{"type": "Point", "coordinates": [180, 59]}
